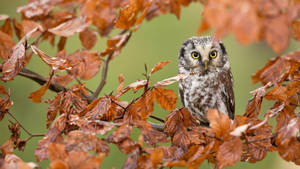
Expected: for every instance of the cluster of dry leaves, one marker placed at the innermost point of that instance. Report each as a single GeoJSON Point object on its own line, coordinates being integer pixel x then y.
{"type": "Point", "coordinates": [77, 116]}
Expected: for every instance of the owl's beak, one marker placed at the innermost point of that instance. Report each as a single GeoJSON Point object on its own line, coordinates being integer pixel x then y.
{"type": "Point", "coordinates": [205, 64]}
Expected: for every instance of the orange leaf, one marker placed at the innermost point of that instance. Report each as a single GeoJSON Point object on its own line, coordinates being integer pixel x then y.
{"type": "Point", "coordinates": [159, 66]}
{"type": "Point", "coordinates": [229, 152]}
{"type": "Point", "coordinates": [88, 38]}
{"type": "Point", "coordinates": [296, 30]}
{"type": "Point", "coordinates": [54, 63]}
{"type": "Point", "coordinates": [37, 95]}
{"type": "Point", "coordinates": [165, 98]}
{"type": "Point", "coordinates": [219, 122]}
{"type": "Point", "coordinates": [70, 27]}
{"type": "Point", "coordinates": [171, 80]}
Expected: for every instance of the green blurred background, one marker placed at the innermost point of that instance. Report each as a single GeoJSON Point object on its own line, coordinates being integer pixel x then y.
{"type": "Point", "coordinates": [157, 40]}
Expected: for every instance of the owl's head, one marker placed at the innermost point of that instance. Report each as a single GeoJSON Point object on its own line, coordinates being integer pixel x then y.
{"type": "Point", "coordinates": [202, 54]}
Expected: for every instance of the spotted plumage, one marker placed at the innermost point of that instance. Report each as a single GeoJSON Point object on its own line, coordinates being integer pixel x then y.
{"type": "Point", "coordinates": [211, 83]}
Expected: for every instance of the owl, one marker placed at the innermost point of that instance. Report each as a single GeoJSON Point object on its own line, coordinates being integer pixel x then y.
{"type": "Point", "coordinates": [210, 84]}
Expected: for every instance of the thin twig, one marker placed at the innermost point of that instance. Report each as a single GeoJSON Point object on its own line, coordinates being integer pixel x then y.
{"type": "Point", "coordinates": [18, 123]}
{"type": "Point", "coordinates": [103, 77]}
{"type": "Point", "coordinates": [157, 118]}
{"type": "Point", "coordinates": [29, 133]}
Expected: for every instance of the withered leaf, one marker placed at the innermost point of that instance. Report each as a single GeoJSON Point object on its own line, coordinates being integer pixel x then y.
{"type": "Point", "coordinates": [128, 14]}
{"type": "Point", "coordinates": [7, 147]}
{"type": "Point", "coordinates": [121, 133]}
{"type": "Point", "coordinates": [219, 122]}
{"type": "Point", "coordinates": [85, 64]}
{"type": "Point", "coordinates": [37, 95]}
{"type": "Point", "coordinates": [178, 119]}
{"type": "Point", "coordinates": [7, 28]}
{"type": "Point", "coordinates": [54, 63]}
{"type": "Point", "coordinates": [70, 27]}
{"type": "Point", "coordinates": [277, 33]}
{"type": "Point", "coordinates": [253, 107]}
{"type": "Point", "coordinates": [14, 162]}
{"type": "Point", "coordinates": [296, 30]}
{"type": "Point", "coordinates": [5, 102]}
{"type": "Point", "coordinates": [159, 66]}
{"type": "Point", "coordinates": [35, 8]}
{"type": "Point", "coordinates": [52, 136]}
{"type": "Point", "coordinates": [88, 38]}
{"type": "Point", "coordinates": [229, 152]}
{"type": "Point", "coordinates": [12, 66]}
{"type": "Point", "coordinates": [165, 98]}
{"type": "Point", "coordinates": [115, 44]}
{"type": "Point", "coordinates": [91, 126]}
{"type": "Point", "coordinates": [141, 109]}
{"type": "Point", "coordinates": [151, 136]}
{"type": "Point", "coordinates": [78, 141]}
{"type": "Point", "coordinates": [171, 80]}
{"type": "Point", "coordinates": [121, 85]}
{"type": "Point", "coordinates": [54, 106]}
{"type": "Point", "coordinates": [6, 45]}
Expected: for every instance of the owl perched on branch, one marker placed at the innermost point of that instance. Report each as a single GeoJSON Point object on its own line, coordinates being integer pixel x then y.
{"type": "Point", "coordinates": [211, 82]}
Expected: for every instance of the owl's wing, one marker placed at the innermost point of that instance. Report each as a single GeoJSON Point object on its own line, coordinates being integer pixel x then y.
{"type": "Point", "coordinates": [181, 93]}
{"type": "Point", "coordinates": [229, 96]}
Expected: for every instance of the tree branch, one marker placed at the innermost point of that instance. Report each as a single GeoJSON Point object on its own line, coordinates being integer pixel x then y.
{"type": "Point", "coordinates": [38, 79]}
{"type": "Point", "coordinates": [103, 77]}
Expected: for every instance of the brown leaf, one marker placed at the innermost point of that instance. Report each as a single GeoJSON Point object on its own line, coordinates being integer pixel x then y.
{"type": "Point", "coordinates": [7, 28]}
{"type": "Point", "coordinates": [88, 38]}
{"type": "Point", "coordinates": [78, 141]}
{"type": "Point", "coordinates": [141, 109]}
{"type": "Point", "coordinates": [151, 136]}
{"type": "Point", "coordinates": [28, 25]}
{"type": "Point", "coordinates": [128, 14]}
{"type": "Point", "coordinates": [165, 98]}
{"type": "Point", "coordinates": [61, 44]}
{"type": "Point", "coordinates": [6, 45]}
{"type": "Point", "coordinates": [254, 105]}
{"type": "Point", "coordinates": [122, 133]}
{"type": "Point", "coordinates": [288, 132]}
{"type": "Point", "coordinates": [277, 33]}
{"type": "Point", "coordinates": [12, 66]}
{"type": "Point", "coordinates": [283, 93]}
{"type": "Point", "coordinates": [101, 108]}
{"type": "Point", "coordinates": [177, 119]}
{"type": "Point", "coordinates": [136, 85]}
{"type": "Point", "coordinates": [70, 27]}
{"type": "Point", "coordinates": [54, 106]}
{"type": "Point", "coordinates": [5, 103]}
{"type": "Point", "coordinates": [296, 30]}
{"type": "Point", "coordinates": [258, 142]}
{"type": "Point", "coordinates": [229, 152]}
{"type": "Point", "coordinates": [7, 147]}
{"type": "Point", "coordinates": [115, 44]}
{"type": "Point", "coordinates": [52, 136]}
{"type": "Point", "coordinates": [219, 122]}
{"type": "Point", "coordinates": [170, 80]}
{"type": "Point", "coordinates": [35, 9]}
{"type": "Point", "coordinates": [121, 86]}
{"type": "Point", "coordinates": [12, 161]}
{"type": "Point", "coordinates": [159, 66]}
{"type": "Point", "coordinates": [37, 95]}
{"type": "Point", "coordinates": [91, 126]}
{"type": "Point", "coordinates": [85, 64]}
{"type": "Point", "coordinates": [54, 63]}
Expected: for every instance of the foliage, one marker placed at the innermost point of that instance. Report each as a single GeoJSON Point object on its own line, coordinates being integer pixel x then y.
{"type": "Point", "coordinates": [77, 116]}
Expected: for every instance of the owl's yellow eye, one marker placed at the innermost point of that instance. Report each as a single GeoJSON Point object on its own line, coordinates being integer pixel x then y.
{"type": "Point", "coordinates": [213, 54]}
{"type": "Point", "coordinates": [195, 55]}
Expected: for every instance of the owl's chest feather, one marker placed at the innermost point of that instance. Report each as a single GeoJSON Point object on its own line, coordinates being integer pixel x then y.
{"type": "Point", "coordinates": [203, 92]}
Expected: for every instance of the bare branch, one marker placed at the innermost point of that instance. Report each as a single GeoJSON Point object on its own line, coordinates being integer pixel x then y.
{"type": "Point", "coordinates": [103, 77]}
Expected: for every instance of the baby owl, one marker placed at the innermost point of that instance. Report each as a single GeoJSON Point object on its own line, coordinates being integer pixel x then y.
{"type": "Point", "coordinates": [210, 84]}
